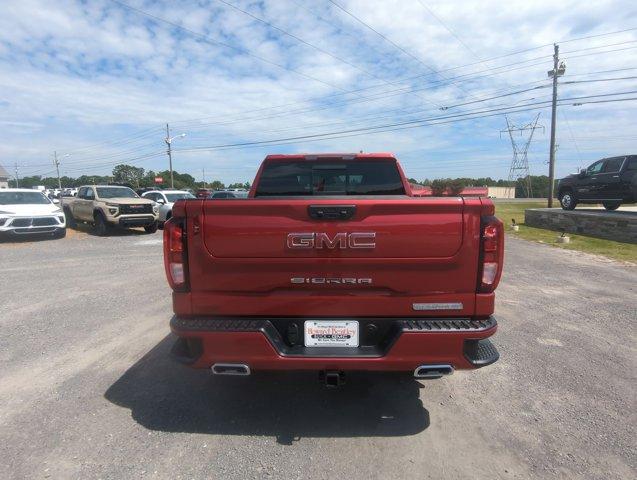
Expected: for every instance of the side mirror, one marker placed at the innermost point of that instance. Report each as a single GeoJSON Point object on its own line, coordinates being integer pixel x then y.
{"type": "Point", "coordinates": [582, 173]}
{"type": "Point", "coordinates": [161, 201]}
{"type": "Point", "coordinates": [56, 201]}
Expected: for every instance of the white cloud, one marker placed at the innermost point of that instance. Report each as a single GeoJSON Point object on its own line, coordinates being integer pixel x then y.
{"type": "Point", "coordinates": [79, 73]}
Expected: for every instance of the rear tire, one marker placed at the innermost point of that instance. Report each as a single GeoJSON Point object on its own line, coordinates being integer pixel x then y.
{"type": "Point", "coordinates": [70, 221]}
{"type": "Point", "coordinates": [152, 228]}
{"type": "Point", "coordinates": [100, 227]}
{"type": "Point", "coordinates": [568, 200]}
{"type": "Point", "coordinates": [168, 215]}
{"type": "Point", "coordinates": [611, 205]}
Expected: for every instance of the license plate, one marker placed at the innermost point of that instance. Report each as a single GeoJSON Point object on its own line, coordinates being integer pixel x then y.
{"type": "Point", "coordinates": [327, 333]}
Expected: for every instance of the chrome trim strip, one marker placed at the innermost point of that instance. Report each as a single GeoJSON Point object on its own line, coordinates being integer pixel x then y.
{"type": "Point", "coordinates": [439, 371]}
{"type": "Point", "coordinates": [240, 369]}
{"type": "Point", "coordinates": [437, 306]}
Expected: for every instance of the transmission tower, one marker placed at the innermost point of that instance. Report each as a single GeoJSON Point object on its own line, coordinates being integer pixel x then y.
{"type": "Point", "coordinates": [520, 163]}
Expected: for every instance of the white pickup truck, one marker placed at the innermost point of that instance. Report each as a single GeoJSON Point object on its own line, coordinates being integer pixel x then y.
{"type": "Point", "coordinates": [109, 206]}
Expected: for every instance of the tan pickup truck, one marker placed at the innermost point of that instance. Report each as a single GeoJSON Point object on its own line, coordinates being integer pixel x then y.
{"type": "Point", "coordinates": [107, 206]}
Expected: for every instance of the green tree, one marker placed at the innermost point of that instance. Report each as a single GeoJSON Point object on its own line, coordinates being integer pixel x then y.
{"type": "Point", "coordinates": [539, 187]}
{"type": "Point", "coordinates": [245, 185]}
{"type": "Point", "coordinates": [447, 186]}
{"type": "Point", "coordinates": [91, 180]}
{"type": "Point", "coordinates": [128, 174]}
{"type": "Point", "coordinates": [216, 185]}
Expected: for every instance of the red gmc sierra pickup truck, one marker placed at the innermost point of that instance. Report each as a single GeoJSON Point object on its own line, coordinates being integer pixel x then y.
{"type": "Point", "coordinates": [333, 265]}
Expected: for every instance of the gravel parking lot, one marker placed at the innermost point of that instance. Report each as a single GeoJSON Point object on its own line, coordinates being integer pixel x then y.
{"type": "Point", "coordinates": [87, 389]}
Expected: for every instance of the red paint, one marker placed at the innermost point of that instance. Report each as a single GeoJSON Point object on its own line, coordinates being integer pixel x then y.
{"type": "Point", "coordinates": [428, 250]}
{"type": "Point", "coordinates": [409, 351]}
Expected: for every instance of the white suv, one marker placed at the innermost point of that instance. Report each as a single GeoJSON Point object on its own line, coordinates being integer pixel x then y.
{"type": "Point", "coordinates": [165, 199]}
{"type": "Point", "coordinates": [24, 211]}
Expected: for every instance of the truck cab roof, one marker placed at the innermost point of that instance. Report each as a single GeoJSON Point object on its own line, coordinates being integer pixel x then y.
{"type": "Point", "coordinates": [331, 156]}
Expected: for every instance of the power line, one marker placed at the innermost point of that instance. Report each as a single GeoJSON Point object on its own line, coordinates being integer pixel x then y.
{"type": "Point", "coordinates": [332, 25]}
{"type": "Point", "coordinates": [112, 163]}
{"type": "Point", "coordinates": [361, 118]}
{"type": "Point", "coordinates": [598, 80]}
{"type": "Point", "coordinates": [104, 156]}
{"type": "Point", "coordinates": [121, 141]}
{"type": "Point", "coordinates": [402, 125]}
{"type": "Point", "coordinates": [448, 28]}
{"type": "Point", "coordinates": [311, 45]}
{"type": "Point", "coordinates": [577, 104]}
{"type": "Point", "coordinates": [602, 46]}
{"type": "Point", "coordinates": [570, 131]}
{"type": "Point", "coordinates": [295, 37]}
{"type": "Point", "coordinates": [587, 37]}
{"type": "Point", "coordinates": [120, 154]}
{"type": "Point", "coordinates": [395, 45]}
{"type": "Point", "coordinates": [383, 95]}
{"type": "Point", "coordinates": [388, 40]}
{"type": "Point", "coordinates": [598, 53]}
{"type": "Point", "coordinates": [207, 39]}
{"type": "Point", "coordinates": [440, 82]}
{"type": "Point", "coordinates": [143, 133]}
{"type": "Point", "coordinates": [599, 72]}
{"type": "Point", "coordinates": [519, 110]}
{"type": "Point", "coordinates": [372, 87]}
{"type": "Point", "coordinates": [365, 99]}
{"type": "Point", "coordinates": [495, 97]}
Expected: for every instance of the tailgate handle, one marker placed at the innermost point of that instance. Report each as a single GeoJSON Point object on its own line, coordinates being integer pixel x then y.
{"type": "Point", "coordinates": [331, 212]}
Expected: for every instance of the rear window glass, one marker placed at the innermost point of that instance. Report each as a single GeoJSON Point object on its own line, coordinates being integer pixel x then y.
{"type": "Point", "coordinates": [632, 164]}
{"type": "Point", "coordinates": [357, 177]}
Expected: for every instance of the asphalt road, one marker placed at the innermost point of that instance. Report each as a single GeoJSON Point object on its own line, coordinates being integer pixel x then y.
{"type": "Point", "coordinates": [87, 390]}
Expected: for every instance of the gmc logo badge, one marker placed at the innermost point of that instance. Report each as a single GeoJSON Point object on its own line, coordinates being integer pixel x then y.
{"type": "Point", "coordinates": [340, 240]}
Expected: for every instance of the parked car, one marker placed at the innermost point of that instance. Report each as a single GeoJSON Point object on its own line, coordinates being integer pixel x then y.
{"type": "Point", "coordinates": [143, 190]}
{"type": "Point", "coordinates": [332, 264]}
{"type": "Point", "coordinates": [106, 206]}
{"type": "Point", "coordinates": [165, 199]}
{"type": "Point", "coordinates": [229, 194]}
{"type": "Point", "coordinates": [609, 181]}
{"type": "Point", "coordinates": [203, 192]}
{"type": "Point", "coordinates": [27, 211]}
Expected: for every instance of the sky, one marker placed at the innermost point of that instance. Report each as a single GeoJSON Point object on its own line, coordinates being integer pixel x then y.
{"type": "Point", "coordinates": [98, 80]}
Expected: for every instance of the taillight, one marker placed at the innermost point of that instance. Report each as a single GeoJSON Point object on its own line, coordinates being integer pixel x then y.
{"type": "Point", "coordinates": [491, 254]}
{"type": "Point", "coordinates": [175, 259]}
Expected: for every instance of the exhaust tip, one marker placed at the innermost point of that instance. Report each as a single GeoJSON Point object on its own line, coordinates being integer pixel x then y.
{"type": "Point", "coordinates": [230, 369]}
{"type": "Point", "coordinates": [433, 371]}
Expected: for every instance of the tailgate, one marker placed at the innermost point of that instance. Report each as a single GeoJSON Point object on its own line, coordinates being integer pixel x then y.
{"type": "Point", "coordinates": [397, 228]}
{"type": "Point", "coordinates": [270, 257]}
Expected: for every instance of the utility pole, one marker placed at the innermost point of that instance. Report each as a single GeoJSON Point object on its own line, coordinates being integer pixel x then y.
{"type": "Point", "coordinates": [17, 177]}
{"type": "Point", "coordinates": [57, 168]}
{"type": "Point", "coordinates": [558, 71]}
{"type": "Point", "coordinates": [203, 175]}
{"type": "Point", "coordinates": [170, 157]}
{"type": "Point", "coordinates": [169, 141]}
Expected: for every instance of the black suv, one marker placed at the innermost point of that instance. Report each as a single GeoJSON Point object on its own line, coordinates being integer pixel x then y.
{"type": "Point", "coordinates": [610, 181]}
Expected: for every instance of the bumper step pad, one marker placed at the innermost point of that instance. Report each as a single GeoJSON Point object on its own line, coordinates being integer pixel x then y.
{"type": "Point", "coordinates": [215, 324]}
{"type": "Point", "coordinates": [481, 352]}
